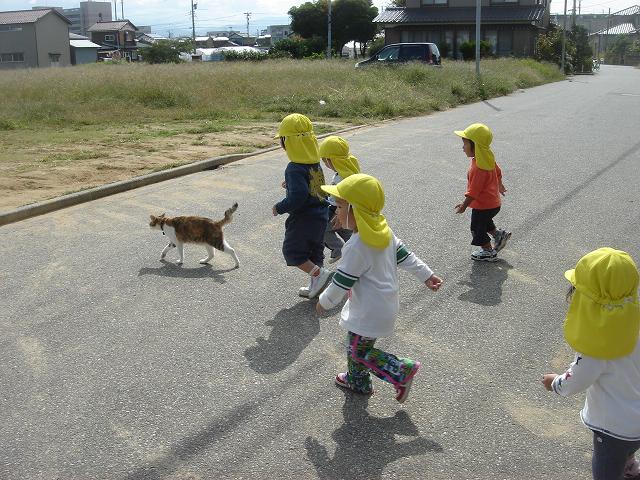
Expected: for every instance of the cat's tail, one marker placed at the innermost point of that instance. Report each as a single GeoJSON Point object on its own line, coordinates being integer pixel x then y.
{"type": "Point", "coordinates": [228, 214]}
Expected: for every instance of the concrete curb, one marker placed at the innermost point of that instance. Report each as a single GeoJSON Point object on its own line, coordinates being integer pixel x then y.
{"type": "Point", "coordinates": [65, 201]}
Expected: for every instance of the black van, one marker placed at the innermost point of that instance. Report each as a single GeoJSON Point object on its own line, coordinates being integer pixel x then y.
{"type": "Point", "coordinates": [404, 52]}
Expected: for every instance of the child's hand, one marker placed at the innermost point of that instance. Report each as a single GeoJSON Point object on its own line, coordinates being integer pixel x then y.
{"type": "Point", "coordinates": [434, 282]}
{"type": "Point", "coordinates": [274, 211]}
{"type": "Point", "coordinates": [460, 208]}
{"type": "Point", "coordinates": [284, 184]}
{"type": "Point", "coordinates": [502, 189]}
{"type": "Point", "coordinates": [547, 380]}
{"type": "Point", "coordinates": [319, 309]}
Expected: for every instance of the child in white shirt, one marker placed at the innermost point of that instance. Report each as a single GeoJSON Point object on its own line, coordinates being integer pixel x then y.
{"type": "Point", "coordinates": [603, 323]}
{"type": "Point", "coordinates": [368, 274]}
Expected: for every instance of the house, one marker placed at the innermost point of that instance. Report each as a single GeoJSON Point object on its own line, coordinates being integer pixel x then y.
{"type": "Point", "coordinates": [116, 39]}
{"type": "Point", "coordinates": [34, 38]}
{"type": "Point", "coordinates": [82, 49]}
{"type": "Point", "coordinates": [204, 42]}
{"type": "Point", "coordinates": [146, 39]}
{"type": "Point", "coordinates": [510, 26]}
{"type": "Point", "coordinates": [278, 32]}
{"type": "Point", "coordinates": [623, 22]}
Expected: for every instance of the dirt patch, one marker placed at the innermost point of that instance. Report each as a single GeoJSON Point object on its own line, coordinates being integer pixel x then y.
{"type": "Point", "coordinates": [40, 165]}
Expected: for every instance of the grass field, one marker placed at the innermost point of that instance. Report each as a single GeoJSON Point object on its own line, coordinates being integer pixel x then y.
{"type": "Point", "coordinates": [64, 130]}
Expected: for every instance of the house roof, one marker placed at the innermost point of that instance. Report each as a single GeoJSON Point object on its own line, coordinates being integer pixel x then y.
{"type": "Point", "coordinates": [618, 30]}
{"type": "Point", "coordinates": [83, 44]}
{"type": "Point", "coordinates": [28, 16]}
{"type": "Point", "coordinates": [635, 10]}
{"type": "Point", "coordinates": [75, 36]}
{"type": "Point", "coordinates": [110, 26]}
{"type": "Point", "coordinates": [439, 15]}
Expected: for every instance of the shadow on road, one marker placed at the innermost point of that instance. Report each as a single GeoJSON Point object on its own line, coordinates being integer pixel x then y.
{"type": "Point", "coordinates": [365, 445]}
{"type": "Point", "coordinates": [169, 269]}
{"type": "Point", "coordinates": [195, 444]}
{"type": "Point", "coordinates": [485, 280]}
{"type": "Point", "coordinates": [293, 330]}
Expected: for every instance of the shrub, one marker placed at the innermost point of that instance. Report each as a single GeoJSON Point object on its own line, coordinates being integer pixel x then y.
{"type": "Point", "coordinates": [247, 56]}
{"type": "Point", "coordinates": [468, 49]}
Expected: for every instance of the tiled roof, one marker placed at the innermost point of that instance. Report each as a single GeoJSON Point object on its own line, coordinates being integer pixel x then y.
{"type": "Point", "coordinates": [434, 15]}
{"type": "Point", "coordinates": [109, 26]}
{"type": "Point", "coordinates": [618, 29]}
{"type": "Point", "coordinates": [83, 44]}
{"type": "Point", "coordinates": [635, 10]}
{"type": "Point", "coordinates": [27, 16]}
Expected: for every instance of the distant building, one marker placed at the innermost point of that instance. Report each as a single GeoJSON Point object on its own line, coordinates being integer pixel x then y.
{"type": "Point", "coordinates": [34, 38]}
{"type": "Point", "coordinates": [83, 50]}
{"type": "Point", "coordinates": [278, 32]}
{"type": "Point", "coordinates": [85, 15]}
{"type": "Point", "coordinates": [116, 39]}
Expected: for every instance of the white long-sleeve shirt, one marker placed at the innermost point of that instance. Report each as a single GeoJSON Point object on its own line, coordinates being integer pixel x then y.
{"type": "Point", "coordinates": [370, 277]}
{"type": "Point", "coordinates": [612, 404]}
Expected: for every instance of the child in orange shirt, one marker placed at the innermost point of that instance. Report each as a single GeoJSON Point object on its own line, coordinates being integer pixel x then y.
{"type": "Point", "coordinates": [484, 187]}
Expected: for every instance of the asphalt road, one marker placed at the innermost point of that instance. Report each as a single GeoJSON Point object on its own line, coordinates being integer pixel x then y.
{"type": "Point", "coordinates": [114, 365]}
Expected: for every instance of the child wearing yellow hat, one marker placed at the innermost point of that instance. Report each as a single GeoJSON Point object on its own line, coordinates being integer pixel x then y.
{"type": "Point", "coordinates": [603, 324]}
{"type": "Point", "coordinates": [305, 201]}
{"type": "Point", "coordinates": [335, 154]}
{"type": "Point", "coordinates": [368, 275]}
{"type": "Point", "coordinates": [484, 187]}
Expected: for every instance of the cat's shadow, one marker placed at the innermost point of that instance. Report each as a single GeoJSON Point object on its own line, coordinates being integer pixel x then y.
{"type": "Point", "coordinates": [170, 269]}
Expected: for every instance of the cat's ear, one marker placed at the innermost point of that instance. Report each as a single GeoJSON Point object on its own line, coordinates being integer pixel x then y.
{"type": "Point", "coordinates": [152, 218]}
{"type": "Point", "coordinates": [163, 213]}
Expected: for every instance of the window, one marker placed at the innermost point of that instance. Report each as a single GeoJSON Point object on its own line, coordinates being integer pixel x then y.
{"type": "Point", "coordinates": [503, 2]}
{"type": "Point", "coordinates": [109, 38]}
{"type": "Point", "coordinates": [505, 43]}
{"type": "Point", "coordinates": [10, 28]}
{"type": "Point", "coordinates": [128, 36]}
{"type": "Point", "coordinates": [11, 57]}
{"type": "Point", "coordinates": [54, 59]}
{"type": "Point", "coordinates": [389, 54]}
{"type": "Point", "coordinates": [414, 52]}
{"type": "Point", "coordinates": [491, 36]}
{"type": "Point", "coordinates": [426, 3]}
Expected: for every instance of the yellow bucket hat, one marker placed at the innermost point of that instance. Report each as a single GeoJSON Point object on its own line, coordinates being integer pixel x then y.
{"type": "Point", "coordinates": [365, 194]}
{"type": "Point", "coordinates": [603, 320]}
{"type": "Point", "coordinates": [336, 149]}
{"type": "Point", "coordinates": [482, 137]}
{"type": "Point", "coordinates": [301, 144]}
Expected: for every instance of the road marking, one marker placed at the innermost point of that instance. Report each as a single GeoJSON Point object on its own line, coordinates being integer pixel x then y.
{"type": "Point", "coordinates": [523, 277]}
{"type": "Point", "coordinates": [546, 422]}
{"type": "Point", "coordinates": [33, 352]}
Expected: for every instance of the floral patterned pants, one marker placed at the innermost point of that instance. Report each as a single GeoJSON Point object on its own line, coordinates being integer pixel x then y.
{"type": "Point", "coordinates": [363, 359]}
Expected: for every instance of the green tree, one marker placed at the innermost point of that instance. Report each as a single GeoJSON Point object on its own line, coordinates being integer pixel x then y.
{"type": "Point", "coordinates": [583, 59]}
{"type": "Point", "coordinates": [468, 49]}
{"type": "Point", "coordinates": [297, 47]}
{"type": "Point", "coordinates": [166, 51]}
{"type": "Point", "coordinates": [622, 45]}
{"type": "Point", "coordinates": [351, 20]}
{"type": "Point", "coordinates": [549, 48]}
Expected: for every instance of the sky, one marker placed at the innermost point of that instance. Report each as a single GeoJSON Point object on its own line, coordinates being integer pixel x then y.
{"type": "Point", "coordinates": [174, 16]}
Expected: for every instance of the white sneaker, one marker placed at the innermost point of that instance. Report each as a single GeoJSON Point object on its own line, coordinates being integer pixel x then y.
{"type": "Point", "coordinates": [318, 283]}
{"type": "Point", "coordinates": [303, 292]}
{"type": "Point", "coordinates": [483, 255]}
{"type": "Point", "coordinates": [334, 259]}
{"type": "Point", "coordinates": [500, 239]}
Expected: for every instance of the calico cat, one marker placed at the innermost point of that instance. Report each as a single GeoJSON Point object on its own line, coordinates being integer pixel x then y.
{"type": "Point", "coordinates": [201, 230]}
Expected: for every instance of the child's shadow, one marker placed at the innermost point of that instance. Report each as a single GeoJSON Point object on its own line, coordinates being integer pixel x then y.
{"type": "Point", "coordinates": [365, 445]}
{"type": "Point", "coordinates": [169, 269]}
{"type": "Point", "coordinates": [293, 330]}
{"type": "Point", "coordinates": [485, 280]}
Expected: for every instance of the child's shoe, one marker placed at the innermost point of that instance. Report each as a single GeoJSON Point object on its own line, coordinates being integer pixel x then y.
{"type": "Point", "coordinates": [483, 255]}
{"type": "Point", "coordinates": [341, 381]}
{"type": "Point", "coordinates": [303, 292]}
{"type": "Point", "coordinates": [500, 239]}
{"type": "Point", "coordinates": [632, 469]}
{"type": "Point", "coordinates": [402, 391]}
{"type": "Point", "coordinates": [319, 282]}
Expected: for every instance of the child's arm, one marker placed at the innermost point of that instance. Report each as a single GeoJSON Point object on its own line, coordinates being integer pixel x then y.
{"type": "Point", "coordinates": [501, 187]}
{"type": "Point", "coordinates": [409, 262]}
{"type": "Point", "coordinates": [580, 375]}
{"type": "Point", "coordinates": [297, 185]}
{"type": "Point", "coordinates": [352, 266]}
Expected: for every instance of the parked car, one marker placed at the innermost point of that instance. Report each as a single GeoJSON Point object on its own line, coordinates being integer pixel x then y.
{"type": "Point", "coordinates": [404, 52]}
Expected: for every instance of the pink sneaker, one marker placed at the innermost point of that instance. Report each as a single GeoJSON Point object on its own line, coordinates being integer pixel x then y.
{"type": "Point", "coordinates": [341, 381]}
{"type": "Point", "coordinates": [402, 391]}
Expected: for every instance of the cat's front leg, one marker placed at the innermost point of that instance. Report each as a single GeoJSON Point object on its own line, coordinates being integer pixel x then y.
{"type": "Point", "coordinates": [166, 249]}
{"type": "Point", "coordinates": [180, 247]}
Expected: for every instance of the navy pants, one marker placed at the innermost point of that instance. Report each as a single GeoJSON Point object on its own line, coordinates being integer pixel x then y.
{"type": "Point", "coordinates": [481, 223]}
{"type": "Point", "coordinates": [610, 456]}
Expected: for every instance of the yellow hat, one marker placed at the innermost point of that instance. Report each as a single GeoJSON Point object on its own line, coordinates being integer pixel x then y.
{"type": "Point", "coordinates": [336, 149]}
{"type": "Point", "coordinates": [365, 194]}
{"type": "Point", "coordinates": [301, 144]}
{"type": "Point", "coordinates": [603, 320]}
{"type": "Point", "coordinates": [481, 137]}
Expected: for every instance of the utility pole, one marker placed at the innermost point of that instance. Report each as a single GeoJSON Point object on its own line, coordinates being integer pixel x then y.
{"type": "Point", "coordinates": [248, 14]}
{"type": "Point", "coordinates": [573, 16]}
{"type": "Point", "coordinates": [329, 30]}
{"type": "Point", "coordinates": [115, 9]}
{"type": "Point", "coordinates": [564, 36]}
{"type": "Point", "coordinates": [122, 8]}
{"type": "Point", "coordinates": [193, 25]}
{"type": "Point", "coordinates": [478, 7]}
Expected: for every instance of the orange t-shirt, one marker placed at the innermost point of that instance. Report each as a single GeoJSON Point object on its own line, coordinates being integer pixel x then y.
{"type": "Point", "coordinates": [482, 186]}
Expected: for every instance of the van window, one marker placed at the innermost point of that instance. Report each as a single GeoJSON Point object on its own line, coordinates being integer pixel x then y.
{"type": "Point", "coordinates": [414, 52]}
{"type": "Point", "coordinates": [389, 54]}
